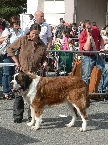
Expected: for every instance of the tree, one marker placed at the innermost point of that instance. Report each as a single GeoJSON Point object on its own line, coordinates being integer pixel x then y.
{"type": "Point", "coordinates": [10, 8]}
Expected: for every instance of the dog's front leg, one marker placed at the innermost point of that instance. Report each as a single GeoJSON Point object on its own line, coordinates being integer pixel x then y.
{"type": "Point", "coordinates": [33, 117]}
{"type": "Point", "coordinates": [37, 123]}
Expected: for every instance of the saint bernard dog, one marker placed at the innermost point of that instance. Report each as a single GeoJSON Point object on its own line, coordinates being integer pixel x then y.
{"type": "Point", "coordinates": [43, 91]}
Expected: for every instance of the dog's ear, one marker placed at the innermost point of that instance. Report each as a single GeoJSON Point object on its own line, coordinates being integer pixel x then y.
{"type": "Point", "coordinates": [26, 80]}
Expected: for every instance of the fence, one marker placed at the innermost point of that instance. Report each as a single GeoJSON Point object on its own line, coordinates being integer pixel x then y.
{"type": "Point", "coordinates": [76, 67]}
{"type": "Point", "coordinates": [70, 61]}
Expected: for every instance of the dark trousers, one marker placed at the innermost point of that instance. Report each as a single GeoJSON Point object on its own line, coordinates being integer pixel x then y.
{"type": "Point", "coordinates": [18, 107]}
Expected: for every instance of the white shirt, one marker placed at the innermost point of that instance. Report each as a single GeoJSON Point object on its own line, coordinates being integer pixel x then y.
{"type": "Point", "coordinates": [27, 28]}
{"type": "Point", "coordinates": [13, 36]}
{"type": "Point", "coordinates": [45, 32]}
{"type": "Point", "coordinates": [106, 45]}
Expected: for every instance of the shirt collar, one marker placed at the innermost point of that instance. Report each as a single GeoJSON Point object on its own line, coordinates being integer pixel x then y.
{"type": "Point", "coordinates": [12, 30]}
{"type": "Point", "coordinates": [29, 38]}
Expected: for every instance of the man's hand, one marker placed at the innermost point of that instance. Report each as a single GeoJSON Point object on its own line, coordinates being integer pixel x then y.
{"type": "Point", "coordinates": [45, 64]}
{"type": "Point", "coordinates": [9, 34]}
{"type": "Point", "coordinates": [88, 31]}
{"type": "Point", "coordinates": [103, 50]}
{"type": "Point", "coordinates": [18, 67]}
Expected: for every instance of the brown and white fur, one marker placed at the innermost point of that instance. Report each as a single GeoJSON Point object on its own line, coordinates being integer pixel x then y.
{"type": "Point", "coordinates": [42, 91]}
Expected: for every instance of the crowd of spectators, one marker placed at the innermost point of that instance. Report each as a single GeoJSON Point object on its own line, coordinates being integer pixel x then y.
{"type": "Point", "coordinates": [69, 36]}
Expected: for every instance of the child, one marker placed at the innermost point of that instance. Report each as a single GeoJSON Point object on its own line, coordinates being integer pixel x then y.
{"type": "Point", "coordinates": [64, 46]}
{"type": "Point", "coordinates": [64, 43]}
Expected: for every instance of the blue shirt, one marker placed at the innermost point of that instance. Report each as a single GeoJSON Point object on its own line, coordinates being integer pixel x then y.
{"type": "Point", "coordinates": [13, 36]}
{"type": "Point", "coordinates": [45, 32]}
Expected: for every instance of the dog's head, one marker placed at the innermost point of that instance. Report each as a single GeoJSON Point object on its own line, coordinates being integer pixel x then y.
{"type": "Point", "coordinates": [20, 82]}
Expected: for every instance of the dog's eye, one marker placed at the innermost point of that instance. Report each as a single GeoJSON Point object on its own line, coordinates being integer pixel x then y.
{"type": "Point", "coordinates": [18, 82]}
{"type": "Point", "coordinates": [16, 78]}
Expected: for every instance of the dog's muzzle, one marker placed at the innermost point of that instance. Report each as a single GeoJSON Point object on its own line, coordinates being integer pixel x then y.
{"type": "Point", "coordinates": [14, 90]}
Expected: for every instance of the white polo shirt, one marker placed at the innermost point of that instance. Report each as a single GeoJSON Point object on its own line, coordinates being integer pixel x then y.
{"type": "Point", "coordinates": [13, 36]}
{"type": "Point", "coordinates": [45, 32]}
{"type": "Point", "coordinates": [27, 28]}
{"type": "Point", "coordinates": [106, 45]}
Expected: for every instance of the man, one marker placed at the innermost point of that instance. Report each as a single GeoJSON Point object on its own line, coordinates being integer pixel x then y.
{"type": "Point", "coordinates": [90, 40]}
{"type": "Point", "coordinates": [29, 24]}
{"type": "Point", "coordinates": [74, 31]}
{"type": "Point", "coordinates": [60, 28]}
{"type": "Point", "coordinates": [45, 34]}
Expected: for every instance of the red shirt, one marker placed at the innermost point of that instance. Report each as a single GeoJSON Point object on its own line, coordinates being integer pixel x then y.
{"type": "Point", "coordinates": [95, 35]}
{"type": "Point", "coordinates": [0, 27]}
{"type": "Point", "coordinates": [1, 30]}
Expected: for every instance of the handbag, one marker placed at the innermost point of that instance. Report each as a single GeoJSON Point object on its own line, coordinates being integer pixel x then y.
{"type": "Point", "coordinates": [4, 46]}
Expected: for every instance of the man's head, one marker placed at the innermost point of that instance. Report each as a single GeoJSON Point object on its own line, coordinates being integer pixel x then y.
{"type": "Point", "coordinates": [94, 24]}
{"type": "Point", "coordinates": [39, 16]}
{"type": "Point", "coordinates": [31, 16]}
{"type": "Point", "coordinates": [62, 21]}
{"type": "Point", "coordinates": [74, 26]}
{"type": "Point", "coordinates": [87, 25]}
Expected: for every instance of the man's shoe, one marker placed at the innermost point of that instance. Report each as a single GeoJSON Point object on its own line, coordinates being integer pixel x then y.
{"type": "Point", "coordinates": [18, 121]}
{"type": "Point", "coordinates": [29, 119]}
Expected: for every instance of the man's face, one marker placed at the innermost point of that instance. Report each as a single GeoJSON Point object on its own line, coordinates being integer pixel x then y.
{"type": "Point", "coordinates": [40, 18]}
{"type": "Point", "coordinates": [88, 27]}
{"type": "Point", "coordinates": [106, 28]}
{"type": "Point", "coordinates": [74, 27]}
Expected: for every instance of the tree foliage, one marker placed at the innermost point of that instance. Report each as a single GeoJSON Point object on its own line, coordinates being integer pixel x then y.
{"type": "Point", "coordinates": [10, 8]}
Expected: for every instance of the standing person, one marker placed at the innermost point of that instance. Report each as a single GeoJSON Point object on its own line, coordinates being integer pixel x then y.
{"type": "Point", "coordinates": [59, 58]}
{"type": "Point", "coordinates": [74, 31]}
{"type": "Point", "coordinates": [3, 24]}
{"type": "Point", "coordinates": [29, 24]}
{"type": "Point", "coordinates": [13, 33]}
{"type": "Point", "coordinates": [80, 28]}
{"type": "Point", "coordinates": [45, 34]}
{"type": "Point", "coordinates": [59, 29]}
{"type": "Point", "coordinates": [105, 38]}
{"type": "Point", "coordinates": [26, 45]}
{"type": "Point", "coordinates": [89, 36]}
{"type": "Point", "coordinates": [64, 43]}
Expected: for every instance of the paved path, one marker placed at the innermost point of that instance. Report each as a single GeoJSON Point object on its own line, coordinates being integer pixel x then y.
{"type": "Point", "coordinates": [53, 130]}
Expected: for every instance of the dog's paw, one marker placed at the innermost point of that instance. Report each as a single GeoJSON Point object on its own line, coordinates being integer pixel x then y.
{"type": "Point", "coordinates": [69, 125]}
{"type": "Point", "coordinates": [35, 127]}
{"type": "Point", "coordinates": [82, 130]}
{"type": "Point", "coordinates": [30, 124]}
